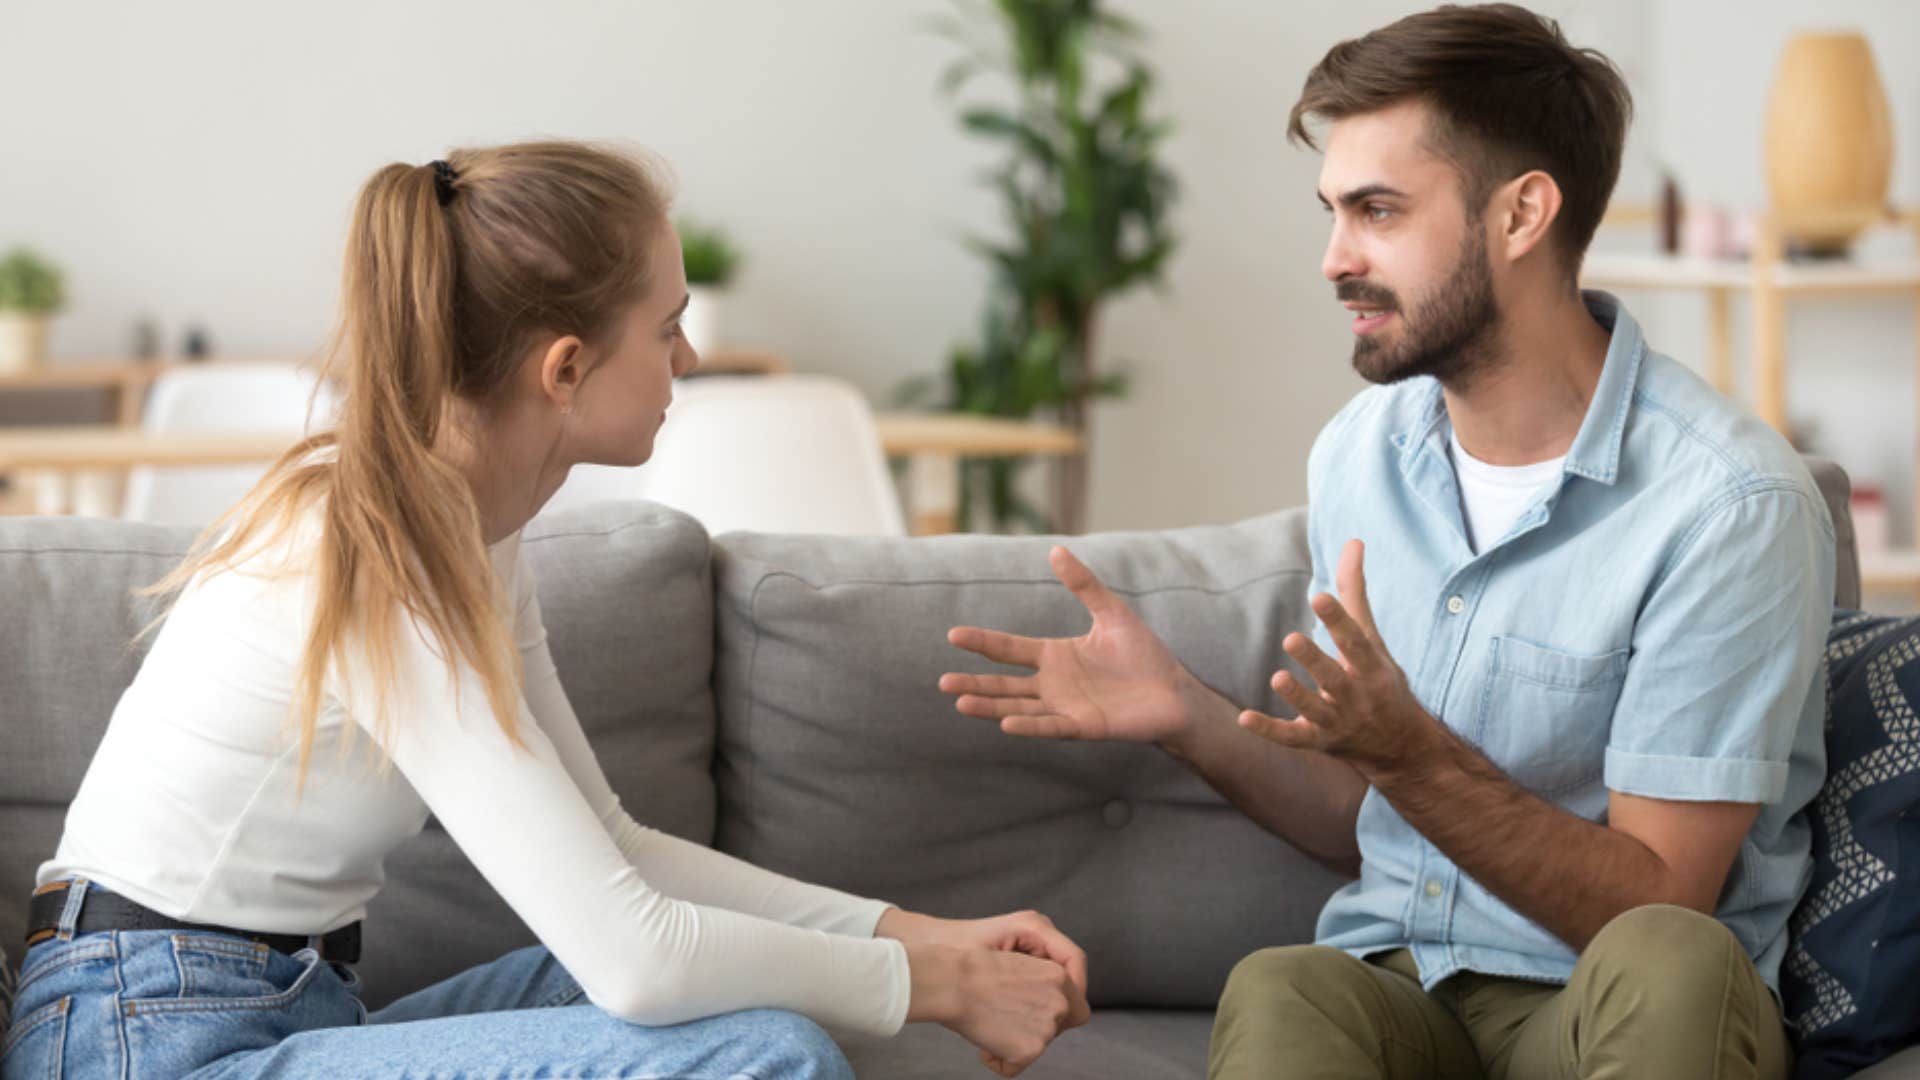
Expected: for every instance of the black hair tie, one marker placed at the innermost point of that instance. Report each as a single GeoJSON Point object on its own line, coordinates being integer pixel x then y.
{"type": "Point", "coordinates": [443, 178]}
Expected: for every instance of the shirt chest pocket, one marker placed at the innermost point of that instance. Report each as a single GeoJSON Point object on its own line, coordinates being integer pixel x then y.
{"type": "Point", "coordinates": [1545, 715]}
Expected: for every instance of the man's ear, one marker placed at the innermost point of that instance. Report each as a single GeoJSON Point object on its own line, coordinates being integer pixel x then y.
{"type": "Point", "coordinates": [562, 368]}
{"type": "Point", "coordinates": [1526, 208]}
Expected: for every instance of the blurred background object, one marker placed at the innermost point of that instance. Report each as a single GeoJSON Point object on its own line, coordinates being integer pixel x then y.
{"type": "Point", "coordinates": [1829, 141]}
{"type": "Point", "coordinates": [31, 290]}
{"type": "Point", "coordinates": [710, 260]}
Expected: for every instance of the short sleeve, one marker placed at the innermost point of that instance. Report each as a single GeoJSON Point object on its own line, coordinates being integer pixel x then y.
{"type": "Point", "coordinates": [1726, 654]}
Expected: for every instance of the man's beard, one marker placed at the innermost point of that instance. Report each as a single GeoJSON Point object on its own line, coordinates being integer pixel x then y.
{"type": "Point", "coordinates": [1450, 334]}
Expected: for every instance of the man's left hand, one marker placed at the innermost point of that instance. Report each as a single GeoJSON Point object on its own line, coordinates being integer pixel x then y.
{"type": "Point", "coordinates": [1362, 710]}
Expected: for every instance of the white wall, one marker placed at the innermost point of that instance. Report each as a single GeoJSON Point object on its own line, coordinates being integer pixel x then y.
{"type": "Point", "coordinates": [196, 160]}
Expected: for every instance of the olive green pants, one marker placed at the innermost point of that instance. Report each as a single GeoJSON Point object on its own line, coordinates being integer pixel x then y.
{"type": "Point", "coordinates": [1660, 992]}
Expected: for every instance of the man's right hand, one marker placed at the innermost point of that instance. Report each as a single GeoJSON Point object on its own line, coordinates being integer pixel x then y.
{"type": "Point", "coordinates": [1116, 681]}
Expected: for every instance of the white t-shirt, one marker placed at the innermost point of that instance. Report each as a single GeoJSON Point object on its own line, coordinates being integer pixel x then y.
{"type": "Point", "coordinates": [189, 807]}
{"type": "Point", "coordinates": [1494, 496]}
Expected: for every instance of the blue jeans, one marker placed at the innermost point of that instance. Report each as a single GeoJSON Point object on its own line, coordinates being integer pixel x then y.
{"type": "Point", "coordinates": [149, 1004]}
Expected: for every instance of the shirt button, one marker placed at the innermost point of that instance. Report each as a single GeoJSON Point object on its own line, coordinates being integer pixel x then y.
{"type": "Point", "coordinates": [1433, 888]}
{"type": "Point", "coordinates": [1455, 605]}
{"type": "Point", "coordinates": [1116, 814]}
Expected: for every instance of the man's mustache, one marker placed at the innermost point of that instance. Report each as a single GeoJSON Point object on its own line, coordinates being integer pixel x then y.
{"type": "Point", "coordinates": [1360, 292]}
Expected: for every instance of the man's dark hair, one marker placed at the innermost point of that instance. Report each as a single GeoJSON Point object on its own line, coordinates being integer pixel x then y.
{"type": "Point", "coordinates": [1508, 95]}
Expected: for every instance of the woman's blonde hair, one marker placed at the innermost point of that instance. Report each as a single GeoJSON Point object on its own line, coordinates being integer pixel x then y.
{"type": "Point", "coordinates": [454, 272]}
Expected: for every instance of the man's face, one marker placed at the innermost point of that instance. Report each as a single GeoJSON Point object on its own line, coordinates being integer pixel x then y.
{"type": "Point", "coordinates": [1406, 257]}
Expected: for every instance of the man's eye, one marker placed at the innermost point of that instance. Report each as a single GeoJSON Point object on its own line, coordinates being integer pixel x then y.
{"type": "Point", "coordinates": [1377, 213]}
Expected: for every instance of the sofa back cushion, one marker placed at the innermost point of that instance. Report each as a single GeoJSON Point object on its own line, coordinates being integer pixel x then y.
{"type": "Point", "coordinates": [840, 761]}
{"type": "Point", "coordinates": [626, 593]}
{"type": "Point", "coordinates": [1837, 490]}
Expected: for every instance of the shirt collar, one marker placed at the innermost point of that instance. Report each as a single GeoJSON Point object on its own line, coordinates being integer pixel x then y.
{"type": "Point", "coordinates": [1595, 453]}
{"type": "Point", "coordinates": [1596, 450]}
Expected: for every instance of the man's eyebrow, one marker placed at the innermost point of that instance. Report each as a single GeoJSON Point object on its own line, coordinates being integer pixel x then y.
{"type": "Point", "coordinates": [1361, 194]}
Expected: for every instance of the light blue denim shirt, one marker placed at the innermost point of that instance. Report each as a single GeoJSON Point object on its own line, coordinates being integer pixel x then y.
{"type": "Point", "coordinates": [1653, 625]}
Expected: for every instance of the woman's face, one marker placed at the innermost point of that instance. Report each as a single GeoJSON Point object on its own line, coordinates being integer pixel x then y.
{"type": "Point", "coordinates": [619, 408]}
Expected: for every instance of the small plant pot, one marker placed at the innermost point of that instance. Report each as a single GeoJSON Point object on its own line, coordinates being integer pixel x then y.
{"type": "Point", "coordinates": [703, 321]}
{"type": "Point", "coordinates": [23, 341]}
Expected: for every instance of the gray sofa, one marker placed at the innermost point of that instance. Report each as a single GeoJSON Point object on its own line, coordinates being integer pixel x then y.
{"type": "Point", "coordinates": [775, 696]}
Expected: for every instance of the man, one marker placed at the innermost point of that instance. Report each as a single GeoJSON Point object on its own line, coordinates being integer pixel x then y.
{"type": "Point", "coordinates": [1563, 708]}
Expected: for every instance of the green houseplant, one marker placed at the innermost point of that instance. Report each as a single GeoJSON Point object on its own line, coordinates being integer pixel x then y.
{"type": "Point", "coordinates": [1085, 198]}
{"type": "Point", "coordinates": [31, 290]}
{"type": "Point", "coordinates": [711, 260]}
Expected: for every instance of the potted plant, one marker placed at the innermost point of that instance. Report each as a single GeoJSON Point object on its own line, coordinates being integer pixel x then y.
{"type": "Point", "coordinates": [1086, 198]}
{"type": "Point", "coordinates": [711, 260]}
{"type": "Point", "coordinates": [30, 292]}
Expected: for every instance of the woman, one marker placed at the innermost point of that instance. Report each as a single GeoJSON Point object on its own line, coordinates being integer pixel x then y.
{"type": "Point", "coordinates": [507, 314]}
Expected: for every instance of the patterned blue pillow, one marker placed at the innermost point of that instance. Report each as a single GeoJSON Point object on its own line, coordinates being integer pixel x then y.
{"type": "Point", "coordinates": [1852, 977]}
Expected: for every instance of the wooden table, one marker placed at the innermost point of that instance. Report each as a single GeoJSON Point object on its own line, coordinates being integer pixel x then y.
{"type": "Point", "coordinates": [932, 444]}
{"type": "Point", "coordinates": [127, 384]}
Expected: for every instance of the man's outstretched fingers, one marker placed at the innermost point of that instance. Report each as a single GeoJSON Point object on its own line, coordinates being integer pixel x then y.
{"type": "Point", "coordinates": [1305, 700]}
{"type": "Point", "coordinates": [957, 682]}
{"type": "Point", "coordinates": [1081, 581]}
{"type": "Point", "coordinates": [1352, 580]}
{"type": "Point", "coordinates": [995, 708]}
{"type": "Point", "coordinates": [1325, 669]}
{"type": "Point", "coordinates": [1041, 726]}
{"type": "Point", "coordinates": [1298, 734]}
{"type": "Point", "coordinates": [997, 646]}
{"type": "Point", "coordinates": [1355, 645]}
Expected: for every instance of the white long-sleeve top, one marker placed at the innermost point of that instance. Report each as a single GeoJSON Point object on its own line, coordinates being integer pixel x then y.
{"type": "Point", "coordinates": [190, 808]}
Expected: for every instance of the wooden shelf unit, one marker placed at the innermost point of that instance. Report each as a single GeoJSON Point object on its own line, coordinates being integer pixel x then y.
{"type": "Point", "coordinates": [1771, 280]}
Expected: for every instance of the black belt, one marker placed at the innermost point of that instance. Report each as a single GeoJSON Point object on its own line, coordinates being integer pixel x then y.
{"type": "Point", "coordinates": [103, 910]}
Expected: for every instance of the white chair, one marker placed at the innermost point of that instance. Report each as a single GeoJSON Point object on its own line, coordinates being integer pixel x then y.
{"type": "Point", "coordinates": [772, 453]}
{"type": "Point", "coordinates": [220, 399]}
